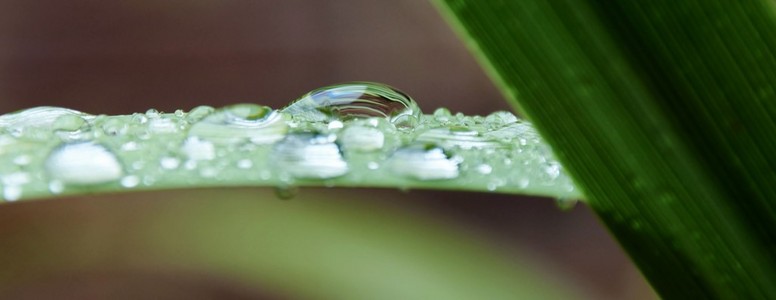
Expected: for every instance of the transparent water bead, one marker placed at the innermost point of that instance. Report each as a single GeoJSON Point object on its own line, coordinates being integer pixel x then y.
{"type": "Point", "coordinates": [36, 123]}
{"type": "Point", "coordinates": [424, 162]}
{"type": "Point", "coordinates": [311, 156]}
{"type": "Point", "coordinates": [83, 164]}
{"type": "Point", "coordinates": [460, 137]}
{"type": "Point", "coordinates": [355, 100]}
{"type": "Point", "coordinates": [256, 123]}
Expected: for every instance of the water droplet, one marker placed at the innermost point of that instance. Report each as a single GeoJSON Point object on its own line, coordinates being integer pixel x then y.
{"type": "Point", "coordinates": [12, 185]}
{"type": "Point", "coordinates": [244, 163]}
{"type": "Point", "coordinates": [460, 137]}
{"type": "Point", "coordinates": [130, 181]}
{"type": "Point", "coordinates": [162, 125]}
{"type": "Point", "coordinates": [139, 118]}
{"type": "Point", "coordinates": [22, 160]}
{"type": "Point", "coordinates": [36, 123]}
{"type": "Point", "coordinates": [425, 162]}
{"type": "Point", "coordinates": [129, 146]}
{"type": "Point", "coordinates": [523, 183]}
{"type": "Point", "coordinates": [372, 165]}
{"type": "Point", "coordinates": [199, 113]}
{"type": "Point", "coordinates": [114, 127]}
{"type": "Point", "coordinates": [355, 100]}
{"type": "Point", "coordinates": [484, 169]}
{"type": "Point", "coordinates": [12, 192]}
{"type": "Point", "coordinates": [68, 122]}
{"type": "Point", "coordinates": [152, 113]}
{"type": "Point", "coordinates": [552, 170]}
{"type": "Point", "coordinates": [169, 163]}
{"type": "Point", "coordinates": [310, 156]}
{"type": "Point", "coordinates": [442, 115]}
{"type": "Point", "coordinates": [565, 204]}
{"type": "Point", "coordinates": [361, 138]}
{"type": "Point", "coordinates": [336, 124]}
{"type": "Point", "coordinates": [239, 122]}
{"type": "Point", "coordinates": [196, 149]}
{"type": "Point", "coordinates": [56, 186]}
{"type": "Point", "coordinates": [500, 118]}
{"type": "Point", "coordinates": [286, 192]}
{"type": "Point", "coordinates": [82, 164]}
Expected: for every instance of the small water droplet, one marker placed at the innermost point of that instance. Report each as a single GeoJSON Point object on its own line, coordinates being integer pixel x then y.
{"type": "Point", "coordinates": [484, 169]}
{"type": "Point", "coordinates": [460, 137]}
{"type": "Point", "coordinates": [22, 160]}
{"type": "Point", "coordinates": [169, 163]}
{"type": "Point", "coordinates": [12, 192]}
{"type": "Point", "coordinates": [552, 170]}
{"type": "Point", "coordinates": [310, 156]}
{"type": "Point", "coordinates": [239, 122]}
{"type": "Point", "coordinates": [244, 163]}
{"type": "Point", "coordinates": [355, 100]}
{"type": "Point", "coordinates": [372, 165]}
{"type": "Point", "coordinates": [425, 162]}
{"type": "Point", "coordinates": [56, 186]}
{"type": "Point", "coordinates": [139, 118]}
{"type": "Point", "coordinates": [196, 149]}
{"type": "Point", "coordinates": [114, 127]}
{"type": "Point", "coordinates": [500, 118]}
{"type": "Point", "coordinates": [82, 164]}
{"type": "Point", "coordinates": [523, 183]}
{"type": "Point", "coordinates": [152, 113]}
{"type": "Point", "coordinates": [336, 124]}
{"type": "Point", "coordinates": [565, 204]}
{"type": "Point", "coordinates": [286, 192]}
{"type": "Point", "coordinates": [162, 125]}
{"type": "Point", "coordinates": [12, 185]}
{"type": "Point", "coordinates": [130, 181]}
{"type": "Point", "coordinates": [68, 122]}
{"type": "Point", "coordinates": [129, 146]}
{"type": "Point", "coordinates": [442, 115]}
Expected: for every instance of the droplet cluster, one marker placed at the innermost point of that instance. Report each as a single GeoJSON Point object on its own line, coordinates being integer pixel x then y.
{"type": "Point", "coordinates": [360, 133]}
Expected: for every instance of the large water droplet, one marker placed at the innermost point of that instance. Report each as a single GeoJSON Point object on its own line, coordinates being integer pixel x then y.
{"type": "Point", "coordinates": [309, 156]}
{"type": "Point", "coordinates": [425, 162]}
{"type": "Point", "coordinates": [37, 123]}
{"type": "Point", "coordinates": [355, 100]}
{"type": "Point", "coordinates": [239, 122]}
{"type": "Point", "coordinates": [82, 164]}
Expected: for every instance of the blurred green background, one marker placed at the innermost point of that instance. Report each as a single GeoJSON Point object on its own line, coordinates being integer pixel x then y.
{"type": "Point", "coordinates": [119, 57]}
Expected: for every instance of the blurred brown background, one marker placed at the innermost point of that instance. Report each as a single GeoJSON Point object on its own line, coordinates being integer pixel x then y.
{"type": "Point", "coordinates": [119, 57]}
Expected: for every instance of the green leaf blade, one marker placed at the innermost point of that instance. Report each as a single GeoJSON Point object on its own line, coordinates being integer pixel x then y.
{"type": "Point", "coordinates": [648, 121]}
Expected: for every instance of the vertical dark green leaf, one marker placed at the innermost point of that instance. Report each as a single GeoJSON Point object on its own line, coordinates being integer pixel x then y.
{"type": "Point", "coordinates": [663, 112]}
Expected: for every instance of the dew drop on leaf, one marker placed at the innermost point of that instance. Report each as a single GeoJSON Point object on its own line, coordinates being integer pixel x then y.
{"type": "Point", "coordinates": [83, 164]}
{"type": "Point", "coordinates": [314, 156]}
{"type": "Point", "coordinates": [241, 122]}
{"type": "Point", "coordinates": [355, 100]}
{"type": "Point", "coordinates": [424, 162]}
{"type": "Point", "coordinates": [286, 192]}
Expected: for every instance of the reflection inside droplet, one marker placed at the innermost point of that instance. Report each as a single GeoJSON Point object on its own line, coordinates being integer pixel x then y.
{"type": "Point", "coordinates": [425, 162]}
{"type": "Point", "coordinates": [309, 156]}
{"type": "Point", "coordinates": [240, 122]}
{"type": "Point", "coordinates": [355, 100]}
